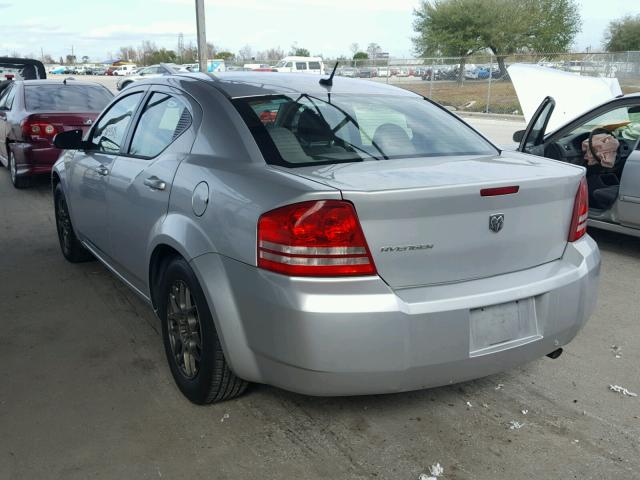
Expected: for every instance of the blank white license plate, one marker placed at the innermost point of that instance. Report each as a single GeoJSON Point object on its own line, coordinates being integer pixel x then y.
{"type": "Point", "coordinates": [494, 326]}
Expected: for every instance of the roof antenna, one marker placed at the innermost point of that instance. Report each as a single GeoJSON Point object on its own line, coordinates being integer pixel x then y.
{"type": "Point", "coordinates": [329, 81]}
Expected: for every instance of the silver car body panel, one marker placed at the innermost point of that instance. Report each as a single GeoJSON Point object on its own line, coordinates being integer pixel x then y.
{"type": "Point", "coordinates": [329, 336]}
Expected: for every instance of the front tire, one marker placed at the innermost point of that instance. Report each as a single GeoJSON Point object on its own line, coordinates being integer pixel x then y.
{"type": "Point", "coordinates": [71, 247]}
{"type": "Point", "coordinates": [191, 342]}
{"type": "Point", "coordinates": [18, 181]}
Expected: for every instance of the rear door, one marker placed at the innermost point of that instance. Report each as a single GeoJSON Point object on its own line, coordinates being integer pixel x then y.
{"type": "Point", "coordinates": [89, 171]}
{"type": "Point", "coordinates": [141, 178]}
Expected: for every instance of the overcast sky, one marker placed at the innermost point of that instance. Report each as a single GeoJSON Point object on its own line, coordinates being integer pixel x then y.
{"type": "Point", "coordinates": [98, 27]}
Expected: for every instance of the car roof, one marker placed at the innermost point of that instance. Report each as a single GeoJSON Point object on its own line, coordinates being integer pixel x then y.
{"type": "Point", "coordinates": [238, 84]}
{"type": "Point", "coordinates": [70, 81]}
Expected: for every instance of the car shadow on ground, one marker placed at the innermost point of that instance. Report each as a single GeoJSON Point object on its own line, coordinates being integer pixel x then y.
{"type": "Point", "coordinates": [616, 242]}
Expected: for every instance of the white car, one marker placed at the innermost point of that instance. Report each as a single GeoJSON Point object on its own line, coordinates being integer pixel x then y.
{"type": "Point", "coordinates": [124, 70]}
{"type": "Point", "coordinates": [301, 65]}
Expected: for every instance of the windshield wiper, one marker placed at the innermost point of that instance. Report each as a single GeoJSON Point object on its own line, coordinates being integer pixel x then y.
{"type": "Point", "coordinates": [348, 118]}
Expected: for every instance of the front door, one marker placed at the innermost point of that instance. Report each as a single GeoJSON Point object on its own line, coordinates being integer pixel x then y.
{"type": "Point", "coordinates": [141, 178]}
{"type": "Point", "coordinates": [90, 170]}
{"type": "Point", "coordinates": [533, 138]}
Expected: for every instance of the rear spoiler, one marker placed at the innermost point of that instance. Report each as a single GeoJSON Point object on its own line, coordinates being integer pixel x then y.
{"type": "Point", "coordinates": [28, 69]}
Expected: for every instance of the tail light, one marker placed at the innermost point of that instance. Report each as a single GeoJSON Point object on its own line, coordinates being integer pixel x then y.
{"type": "Point", "coordinates": [39, 129]}
{"type": "Point", "coordinates": [580, 212]}
{"type": "Point", "coordinates": [317, 238]}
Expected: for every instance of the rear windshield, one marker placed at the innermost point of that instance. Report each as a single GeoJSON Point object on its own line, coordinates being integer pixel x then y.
{"type": "Point", "coordinates": [299, 130]}
{"type": "Point", "coordinates": [66, 98]}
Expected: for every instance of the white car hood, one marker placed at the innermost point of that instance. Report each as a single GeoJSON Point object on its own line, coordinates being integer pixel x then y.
{"type": "Point", "coordinates": [574, 94]}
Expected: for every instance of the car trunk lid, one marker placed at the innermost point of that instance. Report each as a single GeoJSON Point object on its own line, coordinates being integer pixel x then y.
{"type": "Point", "coordinates": [426, 221]}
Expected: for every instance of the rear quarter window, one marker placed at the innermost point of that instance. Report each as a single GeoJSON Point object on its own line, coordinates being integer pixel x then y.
{"type": "Point", "coordinates": [66, 98]}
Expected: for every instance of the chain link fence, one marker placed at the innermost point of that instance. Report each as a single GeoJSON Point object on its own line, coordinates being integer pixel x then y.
{"type": "Point", "coordinates": [480, 83]}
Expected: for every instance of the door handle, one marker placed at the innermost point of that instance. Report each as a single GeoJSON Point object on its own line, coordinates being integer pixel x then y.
{"type": "Point", "coordinates": [102, 170]}
{"type": "Point", "coordinates": [155, 183]}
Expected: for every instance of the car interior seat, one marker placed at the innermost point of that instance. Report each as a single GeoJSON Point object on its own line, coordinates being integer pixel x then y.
{"type": "Point", "coordinates": [393, 140]}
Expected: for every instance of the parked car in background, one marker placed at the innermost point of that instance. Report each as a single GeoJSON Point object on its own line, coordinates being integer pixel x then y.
{"type": "Point", "coordinates": [124, 70]}
{"type": "Point", "coordinates": [159, 70]}
{"type": "Point", "coordinates": [354, 242]}
{"type": "Point", "coordinates": [32, 112]}
{"type": "Point", "coordinates": [300, 65]}
{"type": "Point", "coordinates": [367, 72]}
{"type": "Point", "coordinates": [347, 72]}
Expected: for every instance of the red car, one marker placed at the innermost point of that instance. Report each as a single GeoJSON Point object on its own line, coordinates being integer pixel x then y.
{"type": "Point", "coordinates": [32, 112]}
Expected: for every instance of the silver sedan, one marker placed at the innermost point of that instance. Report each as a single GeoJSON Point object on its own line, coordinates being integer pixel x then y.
{"type": "Point", "coordinates": [330, 239]}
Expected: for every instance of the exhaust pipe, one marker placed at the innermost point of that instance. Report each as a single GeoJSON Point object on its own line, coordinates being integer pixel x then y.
{"type": "Point", "coordinates": [555, 354]}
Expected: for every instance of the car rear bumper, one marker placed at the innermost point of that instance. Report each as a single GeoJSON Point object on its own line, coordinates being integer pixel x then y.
{"type": "Point", "coordinates": [33, 160]}
{"type": "Point", "coordinates": [358, 336]}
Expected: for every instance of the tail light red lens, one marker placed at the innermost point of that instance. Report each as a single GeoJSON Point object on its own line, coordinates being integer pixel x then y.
{"type": "Point", "coordinates": [580, 212]}
{"type": "Point", "coordinates": [318, 238]}
{"type": "Point", "coordinates": [39, 129]}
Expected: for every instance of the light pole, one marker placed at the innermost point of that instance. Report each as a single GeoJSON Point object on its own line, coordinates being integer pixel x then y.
{"type": "Point", "coordinates": [202, 36]}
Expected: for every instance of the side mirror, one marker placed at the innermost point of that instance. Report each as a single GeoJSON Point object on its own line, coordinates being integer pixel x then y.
{"type": "Point", "coordinates": [517, 136]}
{"type": "Point", "coordinates": [69, 140]}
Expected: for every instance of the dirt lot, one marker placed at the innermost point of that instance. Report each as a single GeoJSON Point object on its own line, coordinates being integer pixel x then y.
{"type": "Point", "coordinates": [86, 392]}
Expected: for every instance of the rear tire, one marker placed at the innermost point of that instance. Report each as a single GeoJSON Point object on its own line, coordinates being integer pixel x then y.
{"type": "Point", "coordinates": [18, 181]}
{"type": "Point", "coordinates": [191, 342]}
{"type": "Point", "coordinates": [71, 247]}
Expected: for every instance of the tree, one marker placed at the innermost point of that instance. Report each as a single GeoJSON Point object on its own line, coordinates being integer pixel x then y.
{"type": "Point", "coordinates": [373, 49]}
{"type": "Point", "coordinates": [512, 26]}
{"type": "Point", "coordinates": [301, 52]}
{"type": "Point", "coordinates": [190, 53]}
{"type": "Point", "coordinates": [245, 53]}
{"type": "Point", "coordinates": [211, 51]}
{"type": "Point", "coordinates": [462, 27]}
{"type": "Point", "coordinates": [360, 56]}
{"type": "Point", "coordinates": [448, 28]}
{"type": "Point", "coordinates": [623, 34]}
{"type": "Point", "coordinates": [85, 59]}
{"type": "Point", "coordinates": [71, 59]}
{"type": "Point", "coordinates": [355, 48]}
{"type": "Point", "coordinates": [48, 59]}
{"type": "Point", "coordinates": [162, 55]}
{"type": "Point", "coordinates": [61, 62]}
{"type": "Point", "coordinates": [225, 55]}
{"type": "Point", "coordinates": [129, 53]}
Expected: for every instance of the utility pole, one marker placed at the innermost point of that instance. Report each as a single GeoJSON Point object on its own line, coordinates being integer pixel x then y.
{"type": "Point", "coordinates": [202, 36]}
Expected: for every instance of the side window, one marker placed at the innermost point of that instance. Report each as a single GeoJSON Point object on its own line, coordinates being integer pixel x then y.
{"type": "Point", "coordinates": [314, 65]}
{"type": "Point", "coordinates": [301, 65]}
{"type": "Point", "coordinates": [110, 131]}
{"type": "Point", "coordinates": [163, 120]}
{"type": "Point", "coordinates": [289, 65]}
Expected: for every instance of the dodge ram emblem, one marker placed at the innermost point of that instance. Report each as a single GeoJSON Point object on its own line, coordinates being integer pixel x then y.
{"type": "Point", "coordinates": [496, 222]}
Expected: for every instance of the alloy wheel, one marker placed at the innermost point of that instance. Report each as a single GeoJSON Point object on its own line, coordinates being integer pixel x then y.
{"type": "Point", "coordinates": [183, 325]}
{"type": "Point", "coordinates": [13, 171]}
{"type": "Point", "coordinates": [63, 222]}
